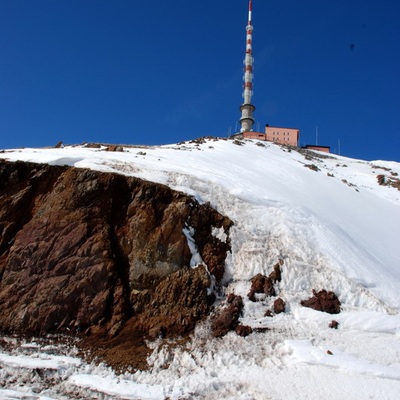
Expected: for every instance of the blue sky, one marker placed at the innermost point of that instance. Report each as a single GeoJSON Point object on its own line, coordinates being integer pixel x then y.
{"type": "Point", "coordinates": [158, 72]}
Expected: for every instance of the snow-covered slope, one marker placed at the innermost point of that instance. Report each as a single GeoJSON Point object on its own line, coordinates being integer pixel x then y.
{"type": "Point", "coordinates": [334, 227]}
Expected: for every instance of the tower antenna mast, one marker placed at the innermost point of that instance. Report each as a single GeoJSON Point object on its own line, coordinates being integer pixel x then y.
{"type": "Point", "coordinates": [247, 108]}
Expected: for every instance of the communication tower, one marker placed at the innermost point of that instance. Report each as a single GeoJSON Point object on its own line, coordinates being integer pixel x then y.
{"type": "Point", "coordinates": [247, 109]}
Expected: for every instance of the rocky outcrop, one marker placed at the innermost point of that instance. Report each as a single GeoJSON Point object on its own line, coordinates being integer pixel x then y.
{"type": "Point", "coordinates": [85, 251]}
{"type": "Point", "coordinates": [323, 301]}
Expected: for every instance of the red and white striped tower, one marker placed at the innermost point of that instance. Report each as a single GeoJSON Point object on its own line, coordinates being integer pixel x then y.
{"type": "Point", "coordinates": [247, 109]}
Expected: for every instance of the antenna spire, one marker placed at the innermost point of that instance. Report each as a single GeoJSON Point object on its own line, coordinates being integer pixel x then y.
{"type": "Point", "coordinates": [247, 109]}
{"type": "Point", "coordinates": [250, 11]}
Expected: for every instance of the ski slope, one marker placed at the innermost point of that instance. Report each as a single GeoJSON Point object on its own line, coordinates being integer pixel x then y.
{"type": "Point", "coordinates": [334, 227]}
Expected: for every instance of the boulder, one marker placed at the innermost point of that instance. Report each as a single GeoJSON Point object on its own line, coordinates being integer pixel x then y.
{"type": "Point", "coordinates": [276, 274]}
{"type": "Point", "coordinates": [323, 301]}
{"type": "Point", "coordinates": [279, 306]}
{"type": "Point", "coordinates": [228, 318]}
{"type": "Point", "coordinates": [261, 284]}
{"type": "Point", "coordinates": [334, 324]}
{"type": "Point", "coordinates": [243, 330]}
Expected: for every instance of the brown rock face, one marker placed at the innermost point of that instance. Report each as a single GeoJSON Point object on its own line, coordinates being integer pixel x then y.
{"type": "Point", "coordinates": [323, 301]}
{"type": "Point", "coordinates": [87, 251]}
{"type": "Point", "coordinates": [176, 304]}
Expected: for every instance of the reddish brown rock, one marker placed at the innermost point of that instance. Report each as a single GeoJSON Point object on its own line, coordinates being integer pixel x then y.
{"type": "Point", "coordinates": [257, 284]}
{"type": "Point", "coordinates": [261, 284]}
{"type": "Point", "coordinates": [228, 318]}
{"type": "Point", "coordinates": [334, 324]}
{"type": "Point", "coordinates": [177, 303]}
{"type": "Point", "coordinates": [243, 330]}
{"type": "Point", "coordinates": [279, 306]}
{"type": "Point", "coordinates": [85, 251]}
{"type": "Point", "coordinates": [231, 298]}
{"type": "Point", "coordinates": [323, 301]}
{"type": "Point", "coordinates": [276, 274]}
{"type": "Point", "coordinates": [113, 147]}
{"type": "Point", "coordinates": [268, 313]}
{"type": "Point", "coordinates": [269, 288]}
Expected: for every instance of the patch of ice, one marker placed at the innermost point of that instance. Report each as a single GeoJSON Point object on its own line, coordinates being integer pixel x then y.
{"type": "Point", "coordinates": [196, 257]}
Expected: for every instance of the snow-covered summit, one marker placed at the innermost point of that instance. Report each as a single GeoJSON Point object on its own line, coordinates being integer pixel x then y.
{"type": "Point", "coordinates": [334, 222]}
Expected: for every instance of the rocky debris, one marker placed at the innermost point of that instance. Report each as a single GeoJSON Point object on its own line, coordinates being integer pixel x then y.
{"type": "Point", "coordinates": [268, 313]}
{"type": "Point", "coordinates": [323, 301]}
{"type": "Point", "coordinates": [103, 254]}
{"type": "Point", "coordinates": [311, 155]}
{"type": "Point", "coordinates": [203, 140]}
{"type": "Point", "coordinates": [227, 319]}
{"type": "Point", "coordinates": [279, 306]}
{"type": "Point", "coordinates": [92, 145]}
{"type": "Point", "coordinates": [276, 274]}
{"type": "Point", "coordinates": [243, 330]}
{"type": "Point", "coordinates": [261, 284]}
{"type": "Point", "coordinates": [334, 324]}
{"type": "Point", "coordinates": [113, 147]}
{"type": "Point", "coordinates": [261, 329]}
{"type": "Point", "coordinates": [380, 167]}
{"type": "Point", "coordinates": [389, 181]}
{"type": "Point", "coordinates": [313, 167]}
{"type": "Point", "coordinates": [381, 180]}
